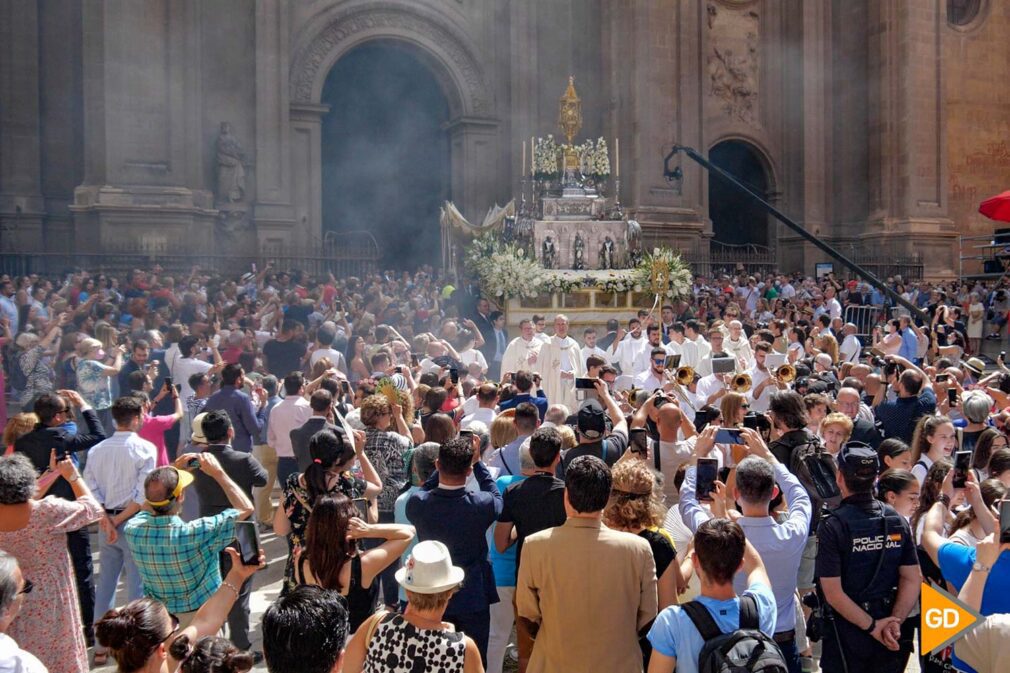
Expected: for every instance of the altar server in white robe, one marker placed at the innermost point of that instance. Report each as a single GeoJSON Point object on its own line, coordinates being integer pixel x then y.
{"type": "Point", "coordinates": [560, 363]}
{"type": "Point", "coordinates": [590, 348]}
{"type": "Point", "coordinates": [522, 352]}
{"type": "Point", "coordinates": [623, 352]}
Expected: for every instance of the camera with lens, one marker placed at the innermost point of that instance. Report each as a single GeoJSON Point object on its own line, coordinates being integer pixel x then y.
{"type": "Point", "coordinates": [878, 361]}
{"type": "Point", "coordinates": [759, 422]}
{"type": "Point", "coordinates": [704, 416]}
{"type": "Point", "coordinates": [815, 622]}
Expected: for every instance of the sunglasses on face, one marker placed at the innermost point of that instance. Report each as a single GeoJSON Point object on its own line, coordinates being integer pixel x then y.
{"type": "Point", "coordinates": [660, 361]}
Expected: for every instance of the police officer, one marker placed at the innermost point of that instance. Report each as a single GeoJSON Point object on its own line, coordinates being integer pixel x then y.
{"type": "Point", "coordinates": [867, 574]}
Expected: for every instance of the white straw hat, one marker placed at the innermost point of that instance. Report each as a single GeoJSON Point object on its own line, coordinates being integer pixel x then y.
{"type": "Point", "coordinates": [429, 570]}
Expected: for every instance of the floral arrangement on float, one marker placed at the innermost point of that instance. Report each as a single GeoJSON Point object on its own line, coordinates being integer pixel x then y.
{"type": "Point", "coordinates": [503, 269]}
{"type": "Point", "coordinates": [664, 273]}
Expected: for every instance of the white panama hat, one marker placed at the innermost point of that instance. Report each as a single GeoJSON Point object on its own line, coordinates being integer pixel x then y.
{"type": "Point", "coordinates": [429, 570]}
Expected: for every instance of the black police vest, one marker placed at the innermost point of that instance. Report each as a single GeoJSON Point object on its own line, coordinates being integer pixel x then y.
{"type": "Point", "coordinates": [872, 540]}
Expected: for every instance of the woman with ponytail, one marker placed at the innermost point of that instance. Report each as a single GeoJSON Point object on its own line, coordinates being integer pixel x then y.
{"type": "Point", "coordinates": [332, 559]}
{"type": "Point", "coordinates": [332, 459]}
{"type": "Point", "coordinates": [144, 638]}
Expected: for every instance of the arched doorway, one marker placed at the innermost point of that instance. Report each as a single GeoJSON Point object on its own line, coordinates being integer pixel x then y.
{"type": "Point", "coordinates": [385, 152]}
{"type": "Point", "coordinates": [737, 220]}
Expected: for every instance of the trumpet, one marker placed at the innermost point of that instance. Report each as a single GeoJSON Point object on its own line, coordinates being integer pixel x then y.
{"type": "Point", "coordinates": [786, 373]}
{"type": "Point", "coordinates": [685, 376]}
{"type": "Point", "coordinates": [741, 383]}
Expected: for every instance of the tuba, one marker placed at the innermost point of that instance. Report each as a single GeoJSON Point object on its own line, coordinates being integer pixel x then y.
{"type": "Point", "coordinates": [786, 373]}
{"type": "Point", "coordinates": [685, 376]}
{"type": "Point", "coordinates": [741, 383]}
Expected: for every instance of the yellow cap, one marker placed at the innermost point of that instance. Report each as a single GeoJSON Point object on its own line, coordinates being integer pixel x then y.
{"type": "Point", "coordinates": [185, 479]}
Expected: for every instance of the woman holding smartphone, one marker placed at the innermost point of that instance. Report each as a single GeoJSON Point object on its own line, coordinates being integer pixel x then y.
{"type": "Point", "coordinates": [331, 558]}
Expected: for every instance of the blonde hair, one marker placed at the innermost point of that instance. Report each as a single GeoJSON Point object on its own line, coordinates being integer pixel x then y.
{"type": "Point", "coordinates": [503, 431]}
{"type": "Point", "coordinates": [18, 426]}
{"type": "Point", "coordinates": [372, 408]}
{"type": "Point", "coordinates": [731, 404]}
{"type": "Point", "coordinates": [568, 439]}
{"type": "Point", "coordinates": [430, 602]}
{"type": "Point", "coordinates": [633, 503]}
{"type": "Point", "coordinates": [837, 418]}
{"type": "Point", "coordinates": [826, 343]}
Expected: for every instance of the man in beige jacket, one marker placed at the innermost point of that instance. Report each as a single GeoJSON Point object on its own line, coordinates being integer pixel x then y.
{"type": "Point", "coordinates": [584, 590]}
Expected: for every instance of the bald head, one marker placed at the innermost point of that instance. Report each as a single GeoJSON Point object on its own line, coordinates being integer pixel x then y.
{"type": "Point", "coordinates": [668, 419]}
{"type": "Point", "coordinates": [848, 402]}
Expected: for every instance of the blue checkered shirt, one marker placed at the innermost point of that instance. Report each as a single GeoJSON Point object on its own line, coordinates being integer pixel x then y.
{"type": "Point", "coordinates": [178, 560]}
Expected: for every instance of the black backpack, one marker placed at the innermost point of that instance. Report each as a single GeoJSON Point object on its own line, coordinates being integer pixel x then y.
{"type": "Point", "coordinates": [746, 650]}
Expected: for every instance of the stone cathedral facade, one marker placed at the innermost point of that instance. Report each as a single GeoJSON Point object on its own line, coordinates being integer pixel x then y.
{"type": "Point", "coordinates": [878, 125]}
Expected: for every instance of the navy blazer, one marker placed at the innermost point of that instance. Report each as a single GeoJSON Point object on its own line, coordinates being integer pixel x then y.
{"type": "Point", "coordinates": [540, 402]}
{"type": "Point", "coordinates": [459, 519]}
{"type": "Point", "coordinates": [245, 418]}
{"type": "Point", "coordinates": [37, 444]}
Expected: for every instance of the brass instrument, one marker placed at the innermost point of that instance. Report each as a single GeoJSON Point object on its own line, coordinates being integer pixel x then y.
{"type": "Point", "coordinates": [685, 376]}
{"type": "Point", "coordinates": [741, 383]}
{"type": "Point", "coordinates": [786, 373]}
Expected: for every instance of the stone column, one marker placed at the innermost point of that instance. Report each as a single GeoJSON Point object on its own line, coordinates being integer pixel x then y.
{"type": "Point", "coordinates": [143, 181]}
{"type": "Point", "coordinates": [653, 69]}
{"type": "Point", "coordinates": [274, 213]}
{"type": "Point", "coordinates": [473, 143]}
{"type": "Point", "coordinates": [808, 88]}
{"type": "Point", "coordinates": [306, 180]}
{"type": "Point", "coordinates": [22, 208]}
{"type": "Point", "coordinates": [907, 142]}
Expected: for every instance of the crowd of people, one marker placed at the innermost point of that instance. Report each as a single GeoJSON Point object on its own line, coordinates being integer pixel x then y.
{"type": "Point", "coordinates": [772, 462]}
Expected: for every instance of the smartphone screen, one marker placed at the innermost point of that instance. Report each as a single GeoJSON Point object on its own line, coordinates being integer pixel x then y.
{"type": "Point", "coordinates": [1004, 521]}
{"type": "Point", "coordinates": [413, 360]}
{"type": "Point", "coordinates": [361, 504]}
{"type": "Point", "coordinates": [248, 542]}
{"type": "Point", "coordinates": [639, 440]}
{"type": "Point", "coordinates": [728, 436]}
{"type": "Point", "coordinates": [708, 470]}
{"type": "Point", "coordinates": [962, 463]}
{"type": "Point", "coordinates": [952, 396]}
{"type": "Point", "coordinates": [940, 378]}
{"type": "Point", "coordinates": [193, 464]}
{"type": "Point", "coordinates": [454, 375]}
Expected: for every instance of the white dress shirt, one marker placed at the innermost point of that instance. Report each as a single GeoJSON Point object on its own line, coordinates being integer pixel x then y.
{"type": "Point", "coordinates": [117, 467]}
{"type": "Point", "coordinates": [759, 404]}
{"type": "Point", "coordinates": [627, 352]}
{"type": "Point", "coordinates": [15, 660]}
{"type": "Point", "coordinates": [289, 414]}
{"type": "Point", "coordinates": [648, 380]}
{"type": "Point", "coordinates": [481, 414]}
{"type": "Point", "coordinates": [850, 349]}
{"type": "Point", "coordinates": [707, 386]}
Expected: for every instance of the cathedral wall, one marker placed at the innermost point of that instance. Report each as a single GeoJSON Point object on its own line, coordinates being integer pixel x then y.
{"type": "Point", "coordinates": [978, 117]}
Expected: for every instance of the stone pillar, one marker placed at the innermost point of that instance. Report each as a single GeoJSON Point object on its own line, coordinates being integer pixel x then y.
{"type": "Point", "coordinates": [22, 208]}
{"type": "Point", "coordinates": [473, 143]}
{"type": "Point", "coordinates": [143, 180]}
{"type": "Point", "coordinates": [653, 70]}
{"type": "Point", "coordinates": [908, 144]}
{"type": "Point", "coordinates": [306, 180]}
{"type": "Point", "coordinates": [810, 83]}
{"type": "Point", "coordinates": [274, 214]}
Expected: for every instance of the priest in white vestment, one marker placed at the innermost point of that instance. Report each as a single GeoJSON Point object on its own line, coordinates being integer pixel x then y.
{"type": "Point", "coordinates": [521, 354]}
{"type": "Point", "coordinates": [559, 364]}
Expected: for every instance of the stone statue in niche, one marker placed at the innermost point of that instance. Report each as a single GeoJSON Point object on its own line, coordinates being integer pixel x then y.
{"type": "Point", "coordinates": [578, 253]}
{"type": "Point", "coordinates": [231, 165]}
{"type": "Point", "coordinates": [549, 253]}
{"type": "Point", "coordinates": [607, 253]}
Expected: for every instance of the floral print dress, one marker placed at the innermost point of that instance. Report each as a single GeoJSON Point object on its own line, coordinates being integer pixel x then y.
{"type": "Point", "coordinates": [49, 624]}
{"type": "Point", "coordinates": [298, 506]}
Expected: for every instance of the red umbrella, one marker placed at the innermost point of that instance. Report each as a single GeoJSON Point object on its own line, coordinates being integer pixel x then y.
{"type": "Point", "coordinates": [997, 207]}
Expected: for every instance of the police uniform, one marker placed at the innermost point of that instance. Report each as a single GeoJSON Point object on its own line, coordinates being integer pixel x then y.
{"type": "Point", "coordinates": [864, 542]}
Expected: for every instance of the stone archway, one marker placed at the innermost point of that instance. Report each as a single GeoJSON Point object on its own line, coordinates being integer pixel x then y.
{"type": "Point", "coordinates": [433, 40]}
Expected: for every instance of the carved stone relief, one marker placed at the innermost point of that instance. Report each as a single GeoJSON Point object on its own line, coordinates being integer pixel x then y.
{"type": "Point", "coordinates": [733, 64]}
{"type": "Point", "coordinates": [342, 27]}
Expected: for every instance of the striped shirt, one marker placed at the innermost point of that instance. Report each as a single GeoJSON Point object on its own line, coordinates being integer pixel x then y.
{"type": "Point", "coordinates": [178, 560]}
{"type": "Point", "coordinates": [116, 469]}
